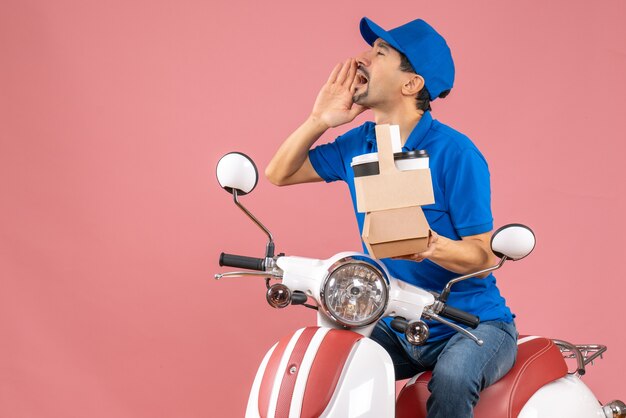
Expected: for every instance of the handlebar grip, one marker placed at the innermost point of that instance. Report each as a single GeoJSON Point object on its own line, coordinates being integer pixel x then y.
{"type": "Point", "coordinates": [460, 316]}
{"type": "Point", "coordinates": [241, 261]}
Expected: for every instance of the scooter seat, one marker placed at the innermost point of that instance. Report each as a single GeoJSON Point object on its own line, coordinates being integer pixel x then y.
{"type": "Point", "coordinates": [539, 361]}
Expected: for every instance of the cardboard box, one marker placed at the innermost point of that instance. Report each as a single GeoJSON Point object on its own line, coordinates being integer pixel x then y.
{"type": "Point", "coordinates": [394, 224]}
{"type": "Point", "coordinates": [392, 188]}
{"type": "Point", "coordinates": [396, 232]}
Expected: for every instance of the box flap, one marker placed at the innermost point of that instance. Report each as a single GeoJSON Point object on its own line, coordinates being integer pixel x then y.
{"type": "Point", "coordinates": [395, 224]}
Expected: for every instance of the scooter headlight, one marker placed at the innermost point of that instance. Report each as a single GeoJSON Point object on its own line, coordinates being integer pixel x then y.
{"type": "Point", "coordinates": [355, 292]}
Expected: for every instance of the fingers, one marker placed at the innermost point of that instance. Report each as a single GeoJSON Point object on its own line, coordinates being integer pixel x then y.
{"type": "Point", "coordinates": [334, 73]}
{"type": "Point", "coordinates": [351, 72]}
{"type": "Point", "coordinates": [353, 85]}
{"type": "Point", "coordinates": [427, 253]}
{"type": "Point", "coordinates": [410, 257]}
{"type": "Point", "coordinates": [354, 81]}
{"type": "Point", "coordinates": [419, 256]}
{"type": "Point", "coordinates": [343, 73]}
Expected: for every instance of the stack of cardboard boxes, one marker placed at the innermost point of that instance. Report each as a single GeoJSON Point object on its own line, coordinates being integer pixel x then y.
{"type": "Point", "coordinates": [394, 222]}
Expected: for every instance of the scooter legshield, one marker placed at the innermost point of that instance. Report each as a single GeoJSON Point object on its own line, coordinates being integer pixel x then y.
{"type": "Point", "coordinates": [323, 372]}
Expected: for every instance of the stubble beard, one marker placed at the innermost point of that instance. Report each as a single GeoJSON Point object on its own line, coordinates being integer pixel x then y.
{"type": "Point", "coordinates": [359, 98]}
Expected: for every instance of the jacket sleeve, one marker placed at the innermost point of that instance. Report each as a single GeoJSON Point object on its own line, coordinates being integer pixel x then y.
{"type": "Point", "coordinates": [468, 193]}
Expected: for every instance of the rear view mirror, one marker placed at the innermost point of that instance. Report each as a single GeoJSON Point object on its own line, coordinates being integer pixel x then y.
{"type": "Point", "coordinates": [237, 171]}
{"type": "Point", "coordinates": [515, 241]}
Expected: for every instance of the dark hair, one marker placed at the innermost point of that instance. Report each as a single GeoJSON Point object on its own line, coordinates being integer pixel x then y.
{"type": "Point", "coordinates": [423, 96]}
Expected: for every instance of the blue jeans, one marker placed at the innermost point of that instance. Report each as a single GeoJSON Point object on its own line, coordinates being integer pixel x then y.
{"type": "Point", "coordinates": [461, 368]}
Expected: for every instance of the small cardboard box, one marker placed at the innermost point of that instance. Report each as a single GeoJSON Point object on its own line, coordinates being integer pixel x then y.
{"type": "Point", "coordinates": [395, 232]}
{"type": "Point", "coordinates": [392, 188]}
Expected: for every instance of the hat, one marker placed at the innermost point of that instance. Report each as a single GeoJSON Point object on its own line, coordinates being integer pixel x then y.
{"type": "Point", "coordinates": [425, 49]}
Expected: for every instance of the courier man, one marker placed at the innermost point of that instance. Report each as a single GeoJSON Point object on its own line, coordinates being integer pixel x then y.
{"type": "Point", "coordinates": [396, 78]}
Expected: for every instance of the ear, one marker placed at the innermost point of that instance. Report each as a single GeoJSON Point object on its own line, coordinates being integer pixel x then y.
{"type": "Point", "coordinates": [413, 85]}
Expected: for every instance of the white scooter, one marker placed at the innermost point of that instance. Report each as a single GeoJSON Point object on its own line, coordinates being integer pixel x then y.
{"type": "Point", "coordinates": [335, 370]}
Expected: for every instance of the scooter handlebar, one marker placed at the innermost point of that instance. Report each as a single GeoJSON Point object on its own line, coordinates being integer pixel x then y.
{"type": "Point", "coordinates": [460, 316]}
{"type": "Point", "coordinates": [242, 261]}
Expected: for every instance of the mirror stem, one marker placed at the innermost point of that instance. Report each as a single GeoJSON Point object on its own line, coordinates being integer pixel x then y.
{"type": "Point", "coordinates": [269, 250]}
{"type": "Point", "coordinates": [446, 291]}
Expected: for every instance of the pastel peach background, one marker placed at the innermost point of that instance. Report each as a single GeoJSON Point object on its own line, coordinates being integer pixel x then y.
{"type": "Point", "coordinates": [113, 115]}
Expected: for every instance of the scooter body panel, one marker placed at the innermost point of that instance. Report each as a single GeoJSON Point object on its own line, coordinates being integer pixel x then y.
{"type": "Point", "coordinates": [367, 385]}
{"type": "Point", "coordinates": [566, 397]}
{"type": "Point", "coordinates": [323, 372]}
{"type": "Point", "coordinates": [252, 410]}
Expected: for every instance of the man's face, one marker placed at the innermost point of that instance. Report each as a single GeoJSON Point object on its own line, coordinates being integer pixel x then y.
{"type": "Point", "coordinates": [379, 79]}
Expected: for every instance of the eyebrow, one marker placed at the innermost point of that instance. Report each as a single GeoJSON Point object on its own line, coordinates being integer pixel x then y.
{"type": "Point", "coordinates": [384, 45]}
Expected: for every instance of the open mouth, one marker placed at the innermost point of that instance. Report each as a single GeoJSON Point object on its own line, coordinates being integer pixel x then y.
{"type": "Point", "coordinates": [361, 78]}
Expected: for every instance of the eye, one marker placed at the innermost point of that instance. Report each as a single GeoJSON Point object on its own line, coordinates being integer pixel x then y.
{"type": "Point", "coordinates": [380, 53]}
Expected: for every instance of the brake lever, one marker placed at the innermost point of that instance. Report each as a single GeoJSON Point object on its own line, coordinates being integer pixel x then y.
{"type": "Point", "coordinates": [428, 314]}
{"type": "Point", "coordinates": [256, 273]}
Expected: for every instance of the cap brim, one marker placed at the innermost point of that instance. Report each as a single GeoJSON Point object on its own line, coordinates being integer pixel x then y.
{"type": "Point", "coordinates": [371, 31]}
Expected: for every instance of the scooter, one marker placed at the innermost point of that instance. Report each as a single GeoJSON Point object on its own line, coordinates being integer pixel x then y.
{"type": "Point", "coordinates": [335, 370]}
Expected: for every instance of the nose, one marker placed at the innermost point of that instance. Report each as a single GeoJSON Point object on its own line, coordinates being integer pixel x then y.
{"type": "Point", "coordinates": [363, 59]}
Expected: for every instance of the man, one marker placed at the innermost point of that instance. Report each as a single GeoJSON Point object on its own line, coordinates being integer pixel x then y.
{"type": "Point", "coordinates": [396, 79]}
